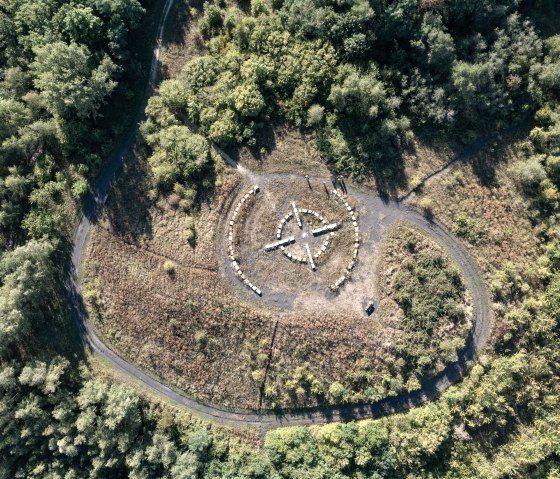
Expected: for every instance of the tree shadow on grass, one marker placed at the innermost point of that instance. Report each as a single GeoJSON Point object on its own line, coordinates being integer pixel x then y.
{"type": "Point", "coordinates": [369, 156]}
{"type": "Point", "coordinates": [494, 151]}
{"type": "Point", "coordinates": [265, 143]}
{"type": "Point", "coordinates": [128, 205]}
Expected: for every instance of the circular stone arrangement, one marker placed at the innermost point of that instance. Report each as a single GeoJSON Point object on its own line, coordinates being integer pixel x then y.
{"type": "Point", "coordinates": [284, 243]}
{"type": "Point", "coordinates": [232, 254]}
{"type": "Point", "coordinates": [340, 281]}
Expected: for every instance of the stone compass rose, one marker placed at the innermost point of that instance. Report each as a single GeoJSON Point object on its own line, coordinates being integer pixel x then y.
{"type": "Point", "coordinates": [301, 245]}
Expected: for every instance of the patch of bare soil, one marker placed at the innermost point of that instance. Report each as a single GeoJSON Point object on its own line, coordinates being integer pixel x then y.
{"type": "Point", "coordinates": [273, 270]}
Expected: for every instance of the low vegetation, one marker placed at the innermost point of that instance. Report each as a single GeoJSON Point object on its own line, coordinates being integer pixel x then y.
{"type": "Point", "coordinates": [322, 67]}
{"type": "Point", "coordinates": [423, 290]}
{"type": "Point", "coordinates": [365, 80]}
{"type": "Point", "coordinates": [195, 328]}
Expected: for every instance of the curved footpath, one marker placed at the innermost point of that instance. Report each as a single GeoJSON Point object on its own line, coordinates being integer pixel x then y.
{"type": "Point", "coordinates": [268, 419]}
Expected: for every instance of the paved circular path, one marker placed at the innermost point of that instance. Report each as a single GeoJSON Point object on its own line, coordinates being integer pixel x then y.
{"type": "Point", "coordinates": [392, 211]}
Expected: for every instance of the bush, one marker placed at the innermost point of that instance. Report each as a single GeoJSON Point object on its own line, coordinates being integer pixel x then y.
{"type": "Point", "coordinates": [258, 7]}
{"type": "Point", "coordinates": [258, 376]}
{"type": "Point", "coordinates": [426, 204]}
{"type": "Point", "coordinates": [475, 231]}
{"type": "Point", "coordinates": [528, 173]}
{"type": "Point", "coordinates": [315, 115]}
{"type": "Point", "coordinates": [337, 391]}
{"type": "Point", "coordinates": [189, 234]}
{"type": "Point", "coordinates": [169, 267]}
{"type": "Point", "coordinates": [80, 188]}
{"type": "Point", "coordinates": [248, 100]}
{"type": "Point", "coordinates": [179, 157]}
{"type": "Point", "coordinates": [201, 338]}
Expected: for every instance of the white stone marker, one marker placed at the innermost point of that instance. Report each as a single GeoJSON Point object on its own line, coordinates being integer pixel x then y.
{"type": "Point", "coordinates": [325, 229]}
{"type": "Point", "coordinates": [310, 256]}
{"type": "Point", "coordinates": [296, 214]}
{"type": "Point", "coordinates": [278, 244]}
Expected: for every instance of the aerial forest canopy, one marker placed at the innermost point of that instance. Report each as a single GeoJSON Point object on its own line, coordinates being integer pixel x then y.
{"type": "Point", "coordinates": [366, 78]}
{"type": "Point", "coordinates": [60, 62]}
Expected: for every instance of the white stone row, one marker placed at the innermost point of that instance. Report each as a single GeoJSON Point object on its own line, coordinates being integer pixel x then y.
{"type": "Point", "coordinates": [340, 281]}
{"type": "Point", "coordinates": [325, 229]}
{"type": "Point", "coordinates": [280, 226]}
{"type": "Point", "coordinates": [232, 254]}
{"type": "Point", "coordinates": [296, 214]}
{"type": "Point", "coordinates": [277, 244]}
{"type": "Point", "coordinates": [322, 250]}
{"type": "Point", "coordinates": [293, 257]}
{"type": "Point", "coordinates": [344, 201]}
{"type": "Point", "coordinates": [239, 272]}
{"type": "Point", "coordinates": [314, 213]}
{"type": "Point", "coordinates": [310, 257]}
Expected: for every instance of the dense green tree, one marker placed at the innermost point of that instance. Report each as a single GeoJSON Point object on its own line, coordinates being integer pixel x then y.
{"type": "Point", "coordinates": [28, 278]}
{"type": "Point", "coordinates": [67, 81]}
{"type": "Point", "coordinates": [179, 156]}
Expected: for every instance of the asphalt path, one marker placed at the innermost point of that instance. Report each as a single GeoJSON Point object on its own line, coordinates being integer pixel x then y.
{"type": "Point", "coordinates": [270, 419]}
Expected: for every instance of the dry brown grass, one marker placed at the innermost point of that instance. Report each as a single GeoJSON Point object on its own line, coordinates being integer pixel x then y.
{"type": "Point", "coordinates": [482, 189]}
{"type": "Point", "coordinates": [185, 327]}
{"type": "Point", "coordinates": [191, 328]}
{"type": "Point", "coordinates": [182, 42]}
{"type": "Point", "coordinates": [283, 148]}
{"type": "Point", "coordinates": [326, 347]}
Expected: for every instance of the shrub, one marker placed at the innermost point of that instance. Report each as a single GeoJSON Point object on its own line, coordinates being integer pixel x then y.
{"type": "Point", "coordinates": [528, 173]}
{"type": "Point", "coordinates": [201, 338]}
{"type": "Point", "coordinates": [80, 188]}
{"type": "Point", "coordinates": [427, 289]}
{"type": "Point", "coordinates": [258, 376]}
{"type": "Point", "coordinates": [258, 7]}
{"type": "Point", "coordinates": [415, 182]}
{"type": "Point", "coordinates": [169, 267]}
{"type": "Point", "coordinates": [248, 100]}
{"type": "Point", "coordinates": [475, 231]}
{"type": "Point", "coordinates": [225, 130]}
{"type": "Point", "coordinates": [211, 20]}
{"type": "Point", "coordinates": [189, 234]}
{"type": "Point", "coordinates": [315, 115]}
{"type": "Point", "coordinates": [337, 390]}
{"type": "Point", "coordinates": [188, 199]}
{"type": "Point", "coordinates": [426, 204]}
